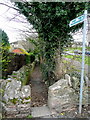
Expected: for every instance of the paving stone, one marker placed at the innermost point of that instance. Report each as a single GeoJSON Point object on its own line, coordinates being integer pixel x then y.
{"type": "Point", "coordinates": [40, 111]}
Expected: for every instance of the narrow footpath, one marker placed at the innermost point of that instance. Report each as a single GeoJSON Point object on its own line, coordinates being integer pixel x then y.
{"type": "Point", "coordinates": [38, 89]}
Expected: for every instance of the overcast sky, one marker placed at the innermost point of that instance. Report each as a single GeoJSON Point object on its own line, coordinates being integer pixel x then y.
{"type": "Point", "coordinates": [11, 21]}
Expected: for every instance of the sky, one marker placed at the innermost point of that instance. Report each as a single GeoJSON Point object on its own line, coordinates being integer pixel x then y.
{"type": "Point", "coordinates": [12, 22]}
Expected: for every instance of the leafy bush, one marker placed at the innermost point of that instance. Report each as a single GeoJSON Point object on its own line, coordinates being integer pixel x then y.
{"type": "Point", "coordinates": [4, 52]}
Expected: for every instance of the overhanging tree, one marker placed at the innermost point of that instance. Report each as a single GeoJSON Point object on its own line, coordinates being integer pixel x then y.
{"type": "Point", "coordinates": [51, 21]}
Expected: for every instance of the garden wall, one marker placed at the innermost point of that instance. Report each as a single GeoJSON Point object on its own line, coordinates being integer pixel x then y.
{"type": "Point", "coordinates": [15, 99]}
{"type": "Point", "coordinates": [16, 62]}
{"type": "Point", "coordinates": [64, 94]}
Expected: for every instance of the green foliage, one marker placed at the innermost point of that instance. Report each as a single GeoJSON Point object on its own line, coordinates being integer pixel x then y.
{"type": "Point", "coordinates": [24, 73]}
{"type": "Point", "coordinates": [1, 91]}
{"type": "Point", "coordinates": [4, 38]}
{"type": "Point", "coordinates": [14, 100]}
{"type": "Point", "coordinates": [27, 59]}
{"type": "Point", "coordinates": [51, 21]}
{"type": "Point", "coordinates": [29, 116]}
{"type": "Point", "coordinates": [30, 58]}
{"type": "Point", "coordinates": [4, 52]}
{"type": "Point", "coordinates": [28, 98]}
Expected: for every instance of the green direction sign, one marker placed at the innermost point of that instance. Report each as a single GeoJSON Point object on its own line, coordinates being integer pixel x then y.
{"type": "Point", "coordinates": [76, 20]}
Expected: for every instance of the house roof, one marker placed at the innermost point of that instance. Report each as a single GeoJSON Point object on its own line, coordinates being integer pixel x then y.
{"type": "Point", "coordinates": [18, 51]}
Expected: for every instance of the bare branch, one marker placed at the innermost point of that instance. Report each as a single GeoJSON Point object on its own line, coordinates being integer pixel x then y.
{"type": "Point", "coordinates": [24, 31]}
{"type": "Point", "coordinates": [9, 6]}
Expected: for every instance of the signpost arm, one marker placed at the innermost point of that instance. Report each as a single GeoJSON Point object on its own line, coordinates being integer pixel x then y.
{"type": "Point", "coordinates": [83, 58]}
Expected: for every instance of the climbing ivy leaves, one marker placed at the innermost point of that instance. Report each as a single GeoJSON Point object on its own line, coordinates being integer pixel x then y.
{"type": "Point", "coordinates": [51, 21]}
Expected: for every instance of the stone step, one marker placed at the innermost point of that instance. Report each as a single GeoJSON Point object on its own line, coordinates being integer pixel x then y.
{"type": "Point", "coordinates": [40, 111]}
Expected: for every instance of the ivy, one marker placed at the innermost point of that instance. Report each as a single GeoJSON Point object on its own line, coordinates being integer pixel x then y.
{"type": "Point", "coordinates": [4, 52]}
{"type": "Point", "coordinates": [51, 21]}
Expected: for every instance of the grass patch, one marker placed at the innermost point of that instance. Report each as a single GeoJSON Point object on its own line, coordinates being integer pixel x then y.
{"type": "Point", "coordinates": [76, 48]}
{"type": "Point", "coordinates": [88, 48]}
{"type": "Point", "coordinates": [73, 48]}
{"type": "Point", "coordinates": [78, 58]}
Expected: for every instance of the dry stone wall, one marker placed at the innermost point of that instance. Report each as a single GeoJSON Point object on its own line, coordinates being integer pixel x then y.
{"type": "Point", "coordinates": [15, 94]}
{"type": "Point", "coordinates": [15, 99]}
{"type": "Point", "coordinates": [23, 74]}
{"type": "Point", "coordinates": [64, 94]}
{"type": "Point", "coordinates": [16, 62]}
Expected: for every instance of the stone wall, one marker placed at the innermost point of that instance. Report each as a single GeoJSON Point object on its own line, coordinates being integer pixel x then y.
{"type": "Point", "coordinates": [23, 74]}
{"type": "Point", "coordinates": [16, 62]}
{"type": "Point", "coordinates": [64, 94]}
{"type": "Point", "coordinates": [15, 99]}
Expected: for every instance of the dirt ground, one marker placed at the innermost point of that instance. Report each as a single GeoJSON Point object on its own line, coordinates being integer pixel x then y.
{"type": "Point", "coordinates": [38, 89]}
{"type": "Point", "coordinates": [39, 97]}
{"type": "Point", "coordinates": [73, 112]}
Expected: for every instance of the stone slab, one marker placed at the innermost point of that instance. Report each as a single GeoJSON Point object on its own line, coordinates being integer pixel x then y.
{"type": "Point", "coordinates": [11, 111]}
{"type": "Point", "coordinates": [40, 111]}
{"type": "Point", "coordinates": [22, 115]}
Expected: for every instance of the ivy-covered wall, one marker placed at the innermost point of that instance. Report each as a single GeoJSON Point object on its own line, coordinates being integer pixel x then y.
{"type": "Point", "coordinates": [15, 63]}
